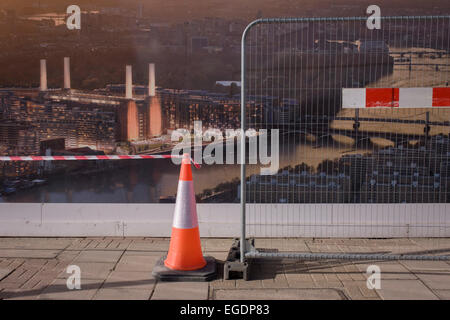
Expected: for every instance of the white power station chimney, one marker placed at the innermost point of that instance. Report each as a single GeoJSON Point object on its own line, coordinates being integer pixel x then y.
{"type": "Point", "coordinates": [129, 83]}
{"type": "Point", "coordinates": [43, 75]}
{"type": "Point", "coordinates": [66, 73]}
{"type": "Point", "coordinates": [151, 79]}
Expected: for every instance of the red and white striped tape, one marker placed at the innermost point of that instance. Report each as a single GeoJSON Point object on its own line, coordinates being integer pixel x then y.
{"type": "Point", "coordinates": [396, 98]}
{"type": "Point", "coordinates": [99, 157]}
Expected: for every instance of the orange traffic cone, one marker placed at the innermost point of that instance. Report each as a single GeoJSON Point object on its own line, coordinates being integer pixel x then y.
{"type": "Point", "coordinates": [185, 251]}
{"type": "Point", "coordinates": [185, 261]}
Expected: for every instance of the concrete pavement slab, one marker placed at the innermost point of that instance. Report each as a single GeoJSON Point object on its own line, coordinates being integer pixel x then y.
{"type": "Point", "coordinates": [143, 253]}
{"type": "Point", "coordinates": [4, 272]}
{"type": "Point", "coordinates": [435, 280]}
{"type": "Point", "coordinates": [35, 263]}
{"type": "Point", "coordinates": [279, 294]}
{"type": "Point", "coordinates": [160, 245]}
{"type": "Point", "coordinates": [119, 244]}
{"type": "Point", "coordinates": [29, 253]}
{"type": "Point", "coordinates": [218, 255]}
{"type": "Point", "coordinates": [35, 243]}
{"type": "Point", "coordinates": [329, 274]}
{"type": "Point", "coordinates": [389, 270]}
{"type": "Point", "coordinates": [130, 280]}
{"type": "Point", "coordinates": [98, 256]}
{"type": "Point", "coordinates": [432, 243]}
{"type": "Point", "coordinates": [342, 274]}
{"type": "Point", "coordinates": [443, 294]}
{"type": "Point", "coordinates": [122, 294]}
{"type": "Point", "coordinates": [100, 244]}
{"type": "Point", "coordinates": [216, 244]}
{"type": "Point", "coordinates": [415, 265]}
{"type": "Point", "coordinates": [287, 245]}
{"type": "Point", "coordinates": [143, 245]}
{"type": "Point", "coordinates": [17, 278]}
{"type": "Point", "coordinates": [357, 290]}
{"type": "Point", "coordinates": [344, 271]}
{"type": "Point", "coordinates": [40, 280]}
{"type": "Point", "coordinates": [180, 291]}
{"type": "Point", "coordinates": [20, 294]}
{"type": "Point", "coordinates": [79, 244]}
{"type": "Point", "coordinates": [58, 290]}
{"type": "Point", "coordinates": [278, 281]}
{"type": "Point", "coordinates": [222, 284]}
{"type": "Point", "coordinates": [67, 255]}
{"type": "Point", "coordinates": [328, 284]}
{"type": "Point", "coordinates": [300, 280]}
{"type": "Point", "coordinates": [405, 290]}
{"type": "Point", "coordinates": [144, 263]}
{"type": "Point", "coordinates": [365, 291]}
{"type": "Point", "coordinates": [241, 283]}
{"type": "Point", "coordinates": [91, 270]}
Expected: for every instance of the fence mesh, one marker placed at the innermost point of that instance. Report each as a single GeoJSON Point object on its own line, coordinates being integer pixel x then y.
{"type": "Point", "coordinates": [372, 171]}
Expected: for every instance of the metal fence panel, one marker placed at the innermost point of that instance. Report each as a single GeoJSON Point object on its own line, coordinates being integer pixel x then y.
{"type": "Point", "coordinates": [363, 124]}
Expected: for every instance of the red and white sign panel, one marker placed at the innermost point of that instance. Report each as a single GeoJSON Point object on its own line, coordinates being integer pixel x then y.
{"type": "Point", "coordinates": [355, 98]}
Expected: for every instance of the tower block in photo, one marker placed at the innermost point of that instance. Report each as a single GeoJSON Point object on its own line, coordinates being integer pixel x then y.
{"type": "Point", "coordinates": [185, 261]}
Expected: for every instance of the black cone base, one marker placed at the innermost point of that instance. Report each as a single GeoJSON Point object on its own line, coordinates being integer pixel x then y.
{"type": "Point", "coordinates": [207, 273]}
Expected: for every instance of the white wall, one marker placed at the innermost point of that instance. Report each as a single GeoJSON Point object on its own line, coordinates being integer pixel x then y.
{"type": "Point", "coordinates": [223, 220]}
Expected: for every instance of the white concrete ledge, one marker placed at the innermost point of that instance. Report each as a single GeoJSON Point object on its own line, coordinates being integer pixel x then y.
{"type": "Point", "coordinates": [223, 220]}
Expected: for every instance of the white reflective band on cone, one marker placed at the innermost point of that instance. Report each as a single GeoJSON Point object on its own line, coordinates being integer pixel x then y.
{"type": "Point", "coordinates": [185, 216]}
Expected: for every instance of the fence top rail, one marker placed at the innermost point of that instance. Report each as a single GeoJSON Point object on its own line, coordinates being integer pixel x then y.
{"type": "Point", "coordinates": [361, 18]}
{"type": "Point", "coordinates": [332, 19]}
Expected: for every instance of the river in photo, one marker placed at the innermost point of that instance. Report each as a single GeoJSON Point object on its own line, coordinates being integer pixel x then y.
{"type": "Point", "coordinates": [145, 181]}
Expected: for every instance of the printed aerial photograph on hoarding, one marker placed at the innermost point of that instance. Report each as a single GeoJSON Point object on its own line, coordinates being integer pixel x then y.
{"type": "Point", "coordinates": [141, 78]}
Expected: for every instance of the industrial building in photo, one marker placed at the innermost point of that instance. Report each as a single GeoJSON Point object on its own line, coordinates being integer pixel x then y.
{"type": "Point", "coordinates": [104, 118]}
{"type": "Point", "coordinates": [98, 121]}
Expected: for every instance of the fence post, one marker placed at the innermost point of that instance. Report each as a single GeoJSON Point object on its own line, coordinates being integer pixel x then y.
{"type": "Point", "coordinates": [243, 140]}
{"type": "Point", "coordinates": [243, 182]}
